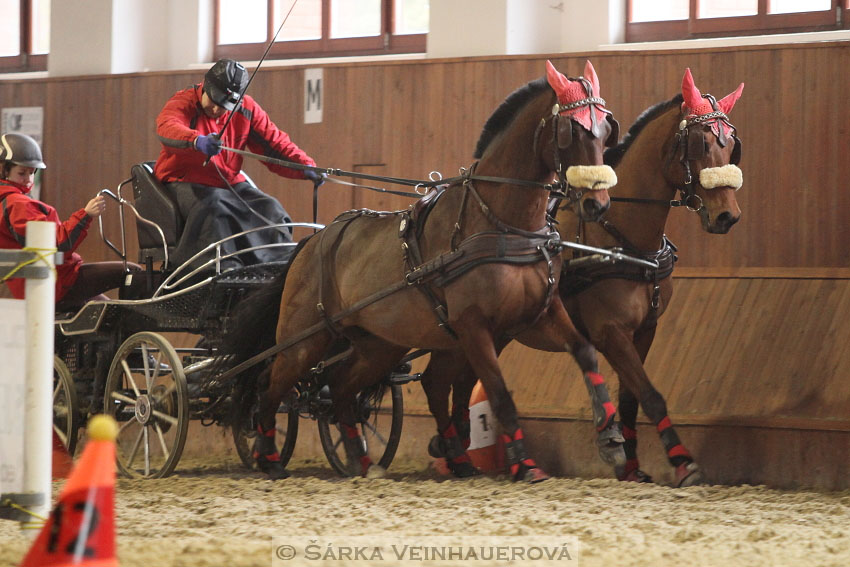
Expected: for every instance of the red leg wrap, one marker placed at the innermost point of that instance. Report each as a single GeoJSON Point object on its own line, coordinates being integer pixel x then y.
{"type": "Point", "coordinates": [629, 433]}
{"type": "Point", "coordinates": [595, 378]}
{"type": "Point", "coordinates": [350, 432]}
{"type": "Point", "coordinates": [365, 463]}
{"type": "Point", "coordinates": [610, 411]}
{"type": "Point", "coordinates": [679, 451]}
{"type": "Point", "coordinates": [270, 433]}
{"type": "Point", "coordinates": [449, 432]}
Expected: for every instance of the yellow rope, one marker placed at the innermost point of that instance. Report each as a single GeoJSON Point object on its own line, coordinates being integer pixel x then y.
{"type": "Point", "coordinates": [40, 254]}
{"type": "Point", "coordinates": [20, 508]}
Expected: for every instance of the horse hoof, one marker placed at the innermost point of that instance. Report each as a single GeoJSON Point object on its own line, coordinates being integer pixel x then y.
{"type": "Point", "coordinates": [273, 469]}
{"type": "Point", "coordinates": [689, 474]}
{"type": "Point", "coordinates": [375, 471]}
{"type": "Point", "coordinates": [610, 443]}
{"type": "Point", "coordinates": [612, 454]}
{"type": "Point", "coordinates": [463, 469]}
{"type": "Point", "coordinates": [435, 448]}
{"type": "Point", "coordinates": [533, 475]}
{"type": "Point", "coordinates": [636, 475]}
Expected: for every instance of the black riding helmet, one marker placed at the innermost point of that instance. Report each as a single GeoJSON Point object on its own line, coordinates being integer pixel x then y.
{"type": "Point", "coordinates": [20, 149]}
{"type": "Point", "coordinates": [224, 82]}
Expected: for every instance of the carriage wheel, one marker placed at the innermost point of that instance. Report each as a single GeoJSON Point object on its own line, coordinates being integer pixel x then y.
{"type": "Point", "coordinates": [245, 431]}
{"type": "Point", "coordinates": [146, 393]}
{"type": "Point", "coordinates": [66, 409]}
{"type": "Point", "coordinates": [380, 432]}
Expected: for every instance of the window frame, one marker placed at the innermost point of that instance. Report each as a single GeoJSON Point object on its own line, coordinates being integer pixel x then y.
{"type": "Point", "coordinates": [384, 44]}
{"type": "Point", "coordinates": [758, 24]}
{"type": "Point", "coordinates": [25, 60]}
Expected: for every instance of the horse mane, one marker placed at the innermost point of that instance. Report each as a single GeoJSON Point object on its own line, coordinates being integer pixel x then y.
{"type": "Point", "coordinates": [613, 155]}
{"type": "Point", "coordinates": [506, 111]}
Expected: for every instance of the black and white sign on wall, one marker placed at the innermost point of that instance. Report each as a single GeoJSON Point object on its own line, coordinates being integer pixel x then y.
{"type": "Point", "coordinates": [312, 96]}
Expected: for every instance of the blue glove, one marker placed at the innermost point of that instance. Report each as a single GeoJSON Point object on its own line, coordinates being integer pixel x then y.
{"type": "Point", "coordinates": [210, 145]}
{"type": "Point", "coordinates": [316, 177]}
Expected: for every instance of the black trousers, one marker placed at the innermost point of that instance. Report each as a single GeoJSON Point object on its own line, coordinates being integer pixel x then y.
{"type": "Point", "coordinates": [214, 213]}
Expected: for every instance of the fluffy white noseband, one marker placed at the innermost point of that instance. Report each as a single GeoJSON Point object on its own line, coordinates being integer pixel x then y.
{"type": "Point", "coordinates": [595, 177]}
{"type": "Point", "coordinates": [726, 176]}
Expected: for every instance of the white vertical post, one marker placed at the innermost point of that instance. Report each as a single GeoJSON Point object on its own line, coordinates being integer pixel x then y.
{"type": "Point", "coordinates": [38, 421]}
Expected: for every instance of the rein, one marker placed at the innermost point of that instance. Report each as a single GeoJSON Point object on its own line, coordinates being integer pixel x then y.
{"type": "Point", "coordinates": [416, 183]}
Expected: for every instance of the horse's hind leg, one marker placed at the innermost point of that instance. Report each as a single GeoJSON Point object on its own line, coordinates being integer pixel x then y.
{"type": "Point", "coordinates": [448, 370]}
{"type": "Point", "coordinates": [481, 352]}
{"type": "Point", "coordinates": [627, 356]}
{"type": "Point", "coordinates": [287, 367]}
{"type": "Point", "coordinates": [372, 360]}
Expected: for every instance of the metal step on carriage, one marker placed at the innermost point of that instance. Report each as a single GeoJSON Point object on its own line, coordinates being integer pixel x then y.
{"type": "Point", "coordinates": [116, 356]}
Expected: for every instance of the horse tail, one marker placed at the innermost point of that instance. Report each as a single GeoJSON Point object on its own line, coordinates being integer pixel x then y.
{"type": "Point", "coordinates": [253, 323]}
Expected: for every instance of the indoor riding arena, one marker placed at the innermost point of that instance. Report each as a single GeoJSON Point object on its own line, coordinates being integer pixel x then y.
{"type": "Point", "coordinates": [450, 378]}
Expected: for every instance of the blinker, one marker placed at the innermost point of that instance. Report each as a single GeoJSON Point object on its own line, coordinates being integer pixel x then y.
{"type": "Point", "coordinates": [565, 132]}
{"type": "Point", "coordinates": [696, 145]}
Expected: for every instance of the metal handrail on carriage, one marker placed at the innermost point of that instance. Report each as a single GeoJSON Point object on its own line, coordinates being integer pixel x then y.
{"type": "Point", "coordinates": [192, 391]}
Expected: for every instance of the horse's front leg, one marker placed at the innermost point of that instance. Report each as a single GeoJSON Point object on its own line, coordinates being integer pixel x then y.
{"type": "Point", "coordinates": [555, 332]}
{"type": "Point", "coordinates": [476, 338]}
{"type": "Point", "coordinates": [449, 371]}
{"type": "Point", "coordinates": [626, 356]}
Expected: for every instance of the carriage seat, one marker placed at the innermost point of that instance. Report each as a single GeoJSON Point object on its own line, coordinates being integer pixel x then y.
{"type": "Point", "coordinates": [155, 203]}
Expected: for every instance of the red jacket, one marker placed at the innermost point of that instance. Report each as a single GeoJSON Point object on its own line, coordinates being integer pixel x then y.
{"type": "Point", "coordinates": [18, 208]}
{"type": "Point", "coordinates": [182, 120]}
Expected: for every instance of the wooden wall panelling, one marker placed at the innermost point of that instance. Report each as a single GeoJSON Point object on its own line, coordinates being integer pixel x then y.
{"type": "Point", "coordinates": [415, 117]}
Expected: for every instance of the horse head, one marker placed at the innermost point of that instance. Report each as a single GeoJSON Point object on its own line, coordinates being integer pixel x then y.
{"type": "Point", "coordinates": [578, 130]}
{"type": "Point", "coordinates": [707, 152]}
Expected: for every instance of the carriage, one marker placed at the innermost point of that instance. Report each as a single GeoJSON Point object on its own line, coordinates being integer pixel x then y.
{"type": "Point", "coordinates": [118, 357]}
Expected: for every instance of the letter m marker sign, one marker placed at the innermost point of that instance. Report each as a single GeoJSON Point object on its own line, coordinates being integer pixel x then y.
{"type": "Point", "coordinates": [312, 96]}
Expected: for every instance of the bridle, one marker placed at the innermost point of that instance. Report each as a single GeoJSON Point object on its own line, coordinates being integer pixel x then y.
{"type": "Point", "coordinates": [692, 149]}
{"type": "Point", "coordinates": [562, 137]}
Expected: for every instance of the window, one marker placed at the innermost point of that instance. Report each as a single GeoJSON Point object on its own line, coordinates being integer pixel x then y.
{"type": "Point", "coordinates": [316, 28]}
{"type": "Point", "coordinates": [24, 35]}
{"type": "Point", "coordinates": [655, 20]}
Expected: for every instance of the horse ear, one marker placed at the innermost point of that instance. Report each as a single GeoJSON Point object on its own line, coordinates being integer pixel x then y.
{"type": "Point", "coordinates": [693, 98]}
{"type": "Point", "coordinates": [557, 81]}
{"type": "Point", "coordinates": [728, 101]}
{"type": "Point", "coordinates": [590, 75]}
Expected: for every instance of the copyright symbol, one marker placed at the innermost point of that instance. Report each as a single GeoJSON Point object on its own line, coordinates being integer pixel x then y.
{"type": "Point", "coordinates": [285, 552]}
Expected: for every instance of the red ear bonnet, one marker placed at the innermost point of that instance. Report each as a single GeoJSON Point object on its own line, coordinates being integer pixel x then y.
{"type": "Point", "coordinates": [696, 105]}
{"type": "Point", "coordinates": [569, 91]}
{"type": "Point", "coordinates": [727, 102]}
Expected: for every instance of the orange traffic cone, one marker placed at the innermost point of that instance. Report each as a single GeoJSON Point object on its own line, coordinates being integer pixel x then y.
{"type": "Point", "coordinates": [81, 528]}
{"type": "Point", "coordinates": [62, 461]}
{"type": "Point", "coordinates": [486, 448]}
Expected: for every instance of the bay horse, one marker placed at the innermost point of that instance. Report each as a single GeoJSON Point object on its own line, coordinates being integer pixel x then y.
{"type": "Point", "coordinates": [459, 276]}
{"type": "Point", "coordinates": [686, 145]}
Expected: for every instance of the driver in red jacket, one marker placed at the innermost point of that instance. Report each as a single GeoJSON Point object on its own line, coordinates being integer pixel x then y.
{"type": "Point", "coordinates": [76, 281]}
{"type": "Point", "coordinates": [215, 200]}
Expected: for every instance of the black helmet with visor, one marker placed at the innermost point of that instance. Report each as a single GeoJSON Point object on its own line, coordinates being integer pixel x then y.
{"type": "Point", "coordinates": [224, 82]}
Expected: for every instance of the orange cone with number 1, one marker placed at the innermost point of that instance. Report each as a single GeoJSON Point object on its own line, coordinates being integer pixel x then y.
{"type": "Point", "coordinates": [81, 527]}
{"type": "Point", "coordinates": [486, 449]}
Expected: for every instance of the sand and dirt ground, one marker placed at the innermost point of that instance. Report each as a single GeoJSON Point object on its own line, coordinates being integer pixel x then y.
{"type": "Point", "coordinates": [217, 514]}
